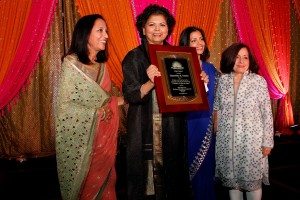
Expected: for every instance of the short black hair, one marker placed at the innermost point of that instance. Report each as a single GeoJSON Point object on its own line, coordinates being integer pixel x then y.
{"type": "Point", "coordinates": [184, 40]}
{"type": "Point", "coordinates": [154, 9]}
{"type": "Point", "coordinates": [229, 55]}
{"type": "Point", "coordinates": [80, 37]}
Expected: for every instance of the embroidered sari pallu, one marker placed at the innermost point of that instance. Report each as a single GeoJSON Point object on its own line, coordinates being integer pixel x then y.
{"type": "Point", "coordinates": [85, 146]}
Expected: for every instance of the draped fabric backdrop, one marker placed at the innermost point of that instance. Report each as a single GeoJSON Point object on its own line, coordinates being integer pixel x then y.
{"type": "Point", "coordinates": [27, 57]}
{"type": "Point", "coordinates": [225, 27]}
{"type": "Point", "coordinates": [295, 61]}
{"type": "Point", "coordinates": [297, 7]}
{"type": "Point", "coordinates": [27, 131]}
{"type": "Point", "coordinates": [38, 15]}
{"type": "Point", "coordinates": [270, 45]}
{"type": "Point", "coordinates": [204, 14]}
{"type": "Point", "coordinates": [281, 40]}
{"type": "Point", "coordinates": [122, 36]}
{"type": "Point", "coordinates": [11, 30]}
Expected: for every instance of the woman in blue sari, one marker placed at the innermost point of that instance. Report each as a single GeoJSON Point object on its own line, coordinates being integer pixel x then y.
{"type": "Point", "coordinates": [201, 140]}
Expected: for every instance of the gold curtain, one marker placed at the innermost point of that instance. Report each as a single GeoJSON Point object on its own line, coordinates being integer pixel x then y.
{"type": "Point", "coordinates": [27, 130]}
{"type": "Point", "coordinates": [204, 14]}
{"type": "Point", "coordinates": [11, 29]}
{"type": "Point", "coordinates": [226, 27]}
{"type": "Point", "coordinates": [69, 9]}
{"type": "Point", "coordinates": [122, 35]}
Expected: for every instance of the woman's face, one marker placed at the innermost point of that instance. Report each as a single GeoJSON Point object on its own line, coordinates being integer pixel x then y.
{"type": "Point", "coordinates": [242, 61]}
{"type": "Point", "coordinates": [196, 40]}
{"type": "Point", "coordinates": [98, 36]}
{"type": "Point", "coordinates": [156, 29]}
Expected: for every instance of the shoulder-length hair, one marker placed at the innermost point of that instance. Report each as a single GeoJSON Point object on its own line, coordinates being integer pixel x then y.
{"type": "Point", "coordinates": [184, 40]}
{"type": "Point", "coordinates": [154, 9]}
{"type": "Point", "coordinates": [229, 55]}
{"type": "Point", "coordinates": [80, 38]}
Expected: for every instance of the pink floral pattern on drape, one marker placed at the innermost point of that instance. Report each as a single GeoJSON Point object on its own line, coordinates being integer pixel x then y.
{"type": "Point", "coordinates": [278, 17]}
{"type": "Point", "coordinates": [29, 48]}
{"type": "Point", "coordinates": [139, 5]}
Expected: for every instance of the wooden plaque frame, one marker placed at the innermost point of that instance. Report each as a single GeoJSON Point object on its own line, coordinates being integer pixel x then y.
{"type": "Point", "coordinates": [179, 88]}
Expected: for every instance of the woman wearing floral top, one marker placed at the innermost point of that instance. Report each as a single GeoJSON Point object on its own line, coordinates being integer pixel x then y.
{"type": "Point", "coordinates": [244, 124]}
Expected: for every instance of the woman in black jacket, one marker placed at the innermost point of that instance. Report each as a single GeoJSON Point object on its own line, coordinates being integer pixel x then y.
{"type": "Point", "coordinates": [156, 160]}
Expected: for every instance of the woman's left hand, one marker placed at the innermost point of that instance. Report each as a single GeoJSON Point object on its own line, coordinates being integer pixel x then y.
{"type": "Point", "coordinates": [120, 100]}
{"type": "Point", "coordinates": [266, 151]}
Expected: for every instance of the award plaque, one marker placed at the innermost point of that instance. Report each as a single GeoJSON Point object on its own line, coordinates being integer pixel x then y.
{"type": "Point", "coordinates": [179, 88]}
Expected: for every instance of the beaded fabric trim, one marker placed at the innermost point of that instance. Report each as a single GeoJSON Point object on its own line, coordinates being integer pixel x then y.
{"type": "Point", "coordinates": [201, 152]}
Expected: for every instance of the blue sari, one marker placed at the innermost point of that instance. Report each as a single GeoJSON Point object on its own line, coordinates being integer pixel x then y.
{"type": "Point", "coordinates": [201, 143]}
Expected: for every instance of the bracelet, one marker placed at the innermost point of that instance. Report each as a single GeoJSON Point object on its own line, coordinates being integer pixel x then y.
{"type": "Point", "coordinates": [103, 114]}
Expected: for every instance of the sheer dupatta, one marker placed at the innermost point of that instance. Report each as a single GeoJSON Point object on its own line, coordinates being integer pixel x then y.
{"type": "Point", "coordinates": [101, 178]}
{"type": "Point", "coordinates": [79, 131]}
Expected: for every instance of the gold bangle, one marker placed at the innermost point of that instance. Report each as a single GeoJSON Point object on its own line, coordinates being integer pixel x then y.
{"type": "Point", "coordinates": [103, 114]}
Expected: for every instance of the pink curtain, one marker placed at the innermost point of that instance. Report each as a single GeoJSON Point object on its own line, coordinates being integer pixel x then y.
{"type": "Point", "coordinates": [139, 5]}
{"type": "Point", "coordinates": [280, 23]}
{"type": "Point", "coordinates": [28, 50]}
{"type": "Point", "coordinates": [279, 16]}
{"type": "Point", "coordinates": [246, 34]}
{"type": "Point", "coordinates": [270, 46]}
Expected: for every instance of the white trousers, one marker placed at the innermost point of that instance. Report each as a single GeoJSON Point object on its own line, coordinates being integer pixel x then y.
{"type": "Point", "coordinates": [238, 195]}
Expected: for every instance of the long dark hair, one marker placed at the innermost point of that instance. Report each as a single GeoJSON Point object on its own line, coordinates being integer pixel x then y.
{"type": "Point", "coordinates": [154, 9]}
{"type": "Point", "coordinates": [184, 40]}
{"type": "Point", "coordinates": [229, 55]}
{"type": "Point", "coordinates": [80, 37]}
